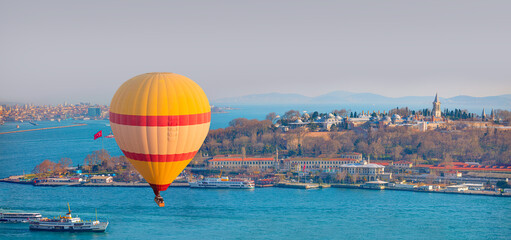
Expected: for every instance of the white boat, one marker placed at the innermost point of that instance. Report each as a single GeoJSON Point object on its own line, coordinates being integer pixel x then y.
{"type": "Point", "coordinates": [223, 182]}
{"type": "Point", "coordinates": [68, 224]}
{"type": "Point", "coordinates": [19, 217]}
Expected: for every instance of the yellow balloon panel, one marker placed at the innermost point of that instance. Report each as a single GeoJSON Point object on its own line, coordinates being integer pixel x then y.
{"type": "Point", "coordinates": [154, 94]}
{"type": "Point", "coordinates": [160, 173]}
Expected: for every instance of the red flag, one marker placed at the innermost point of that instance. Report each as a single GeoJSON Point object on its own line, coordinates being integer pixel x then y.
{"type": "Point", "coordinates": [98, 135]}
{"type": "Point", "coordinates": [304, 167]}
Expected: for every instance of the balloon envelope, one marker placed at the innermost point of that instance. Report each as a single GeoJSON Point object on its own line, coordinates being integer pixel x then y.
{"type": "Point", "coordinates": [159, 121]}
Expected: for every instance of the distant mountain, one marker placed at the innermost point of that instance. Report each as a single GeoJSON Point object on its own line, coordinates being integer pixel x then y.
{"type": "Point", "coordinates": [344, 97]}
{"type": "Point", "coordinates": [268, 98]}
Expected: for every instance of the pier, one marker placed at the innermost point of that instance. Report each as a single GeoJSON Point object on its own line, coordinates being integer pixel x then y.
{"type": "Point", "coordinates": [298, 185]}
{"type": "Point", "coordinates": [47, 128]}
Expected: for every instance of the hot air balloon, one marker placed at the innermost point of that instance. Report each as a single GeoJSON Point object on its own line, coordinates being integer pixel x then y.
{"type": "Point", "coordinates": [160, 121]}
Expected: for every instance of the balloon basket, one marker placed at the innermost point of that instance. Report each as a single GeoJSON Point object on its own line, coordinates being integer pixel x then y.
{"type": "Point", "coordinates": [159, 201]}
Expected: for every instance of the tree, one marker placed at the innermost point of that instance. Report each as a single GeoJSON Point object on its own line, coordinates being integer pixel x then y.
{"type": "Point", "coordinates": [502, 184]}
{"type": "Point", "coordinates": [292, 115]}
{"type": "Point", "coordinates": [341, 176]}
{"type": "Point", "coordinates": [341, 112]}
{"type": "Point", "coordinates": [376, 149]}
{"type": "Point", "coordinates": [396, 152]}
{"type": "Point", "coordinates": [62, 165]}
{"type": "Point", "coordinates": [271, 116]}
{"type": "Point", "coordinates": [46, 166]}
{"type": "Point", "coordinates": [355, 177]}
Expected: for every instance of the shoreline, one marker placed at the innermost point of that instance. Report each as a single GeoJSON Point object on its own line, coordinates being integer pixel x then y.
{"type": "Point", "coordinates": [306, 186]}
{"type": "Point", "coordinates": [88, 184]}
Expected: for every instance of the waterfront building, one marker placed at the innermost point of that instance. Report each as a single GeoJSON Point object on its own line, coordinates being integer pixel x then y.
{"type": "Point", "coordinates": [456, 188]}
{"type": "Point", "coordinates": [301, 164]}
{"type": "Point", "coordinates": [369, 171]}
{"type": "Point", "coordinates": [453, 174]}
{"type": "Point", "coordinates": [356, 156]}
{"type": "Point", "coordinates": [474, 186]}
{"type": "Point", "coordinates": [465, 168]}
{"type": "Point", "coordinates": [261, 163]}
{"type": "Point", "coordinates": [375, 185]}
{"type": "Point", "coordinates": [101, 179]}
{"type": "Point", "coordinates": [403, 164]}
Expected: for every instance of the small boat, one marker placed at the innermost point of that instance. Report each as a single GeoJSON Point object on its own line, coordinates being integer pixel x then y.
{"type": "Point", "coordinates": [68, 224]}
{"type": "Point", "coordinates": [223, 182]}
{"type": "Point", "coordinates": [17, 126]}
{"type": "Point", "coordinates": [264, 183]}
{"type": "Point", "coordinates": [19, 217]}
{"type": "Point", "coordinates": [109, 136]}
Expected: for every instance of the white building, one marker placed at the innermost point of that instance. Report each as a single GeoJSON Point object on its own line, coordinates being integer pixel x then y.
{"type": "Point", "coordinates": [261, 163]}
{"type": "Point", "coordinates": [456, 188]}
{"type": "Point", "coordinates": [370, 171]}
{"type": "Point", "coordinates": [101, 179]}
{"type": "Point", "coordinates": [301, 164]}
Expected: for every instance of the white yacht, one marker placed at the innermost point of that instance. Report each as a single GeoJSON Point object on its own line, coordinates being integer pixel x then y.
{"type": "Point", "coordinates": [19, 217]}
{"type": "Point", "coordinates": [223, 182]}
{"type": "Point", "coordinates": [68, 223]}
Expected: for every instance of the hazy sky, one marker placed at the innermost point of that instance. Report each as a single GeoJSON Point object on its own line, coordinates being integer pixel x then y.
{"type": "Point", "coordinates": [56, 51]}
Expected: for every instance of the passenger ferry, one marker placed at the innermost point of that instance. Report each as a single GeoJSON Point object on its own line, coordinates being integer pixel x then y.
{"type": "Point", "coordinates": [19, 217]}
{"type": "Point", "coordinates": [68, 223]}
{"type": "Point", "coordinates": [223, 182]}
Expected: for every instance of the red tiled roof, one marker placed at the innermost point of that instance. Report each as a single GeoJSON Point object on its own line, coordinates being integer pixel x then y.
{"type": "Point", "coordinates": [382, 163]}
{"type": "Point", "coordinates": [402, 162]}
{"type": "Point", "coordinates": [240, 159]}
{"type": "Point", "coordinates": [319, 159]}
{"type": "Point", "coordinates": [425, 165]}
{"type": "Point", "coordinates": [486, 168]}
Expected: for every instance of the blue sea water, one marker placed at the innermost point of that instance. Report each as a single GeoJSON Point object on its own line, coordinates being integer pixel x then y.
{"type": "Point", "coordinates": [270, 213]}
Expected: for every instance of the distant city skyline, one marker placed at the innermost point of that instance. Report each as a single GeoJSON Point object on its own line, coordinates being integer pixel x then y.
{"type": "Point", "coordinates": [60, 51]}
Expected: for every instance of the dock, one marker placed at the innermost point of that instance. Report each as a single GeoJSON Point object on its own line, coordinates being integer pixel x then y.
{"type": "Point", "coordinates": [88, 184]}
{"type": "Point", "coordinates": [47, 128]}
{"type": "Point", "coordinates": [298, 185]}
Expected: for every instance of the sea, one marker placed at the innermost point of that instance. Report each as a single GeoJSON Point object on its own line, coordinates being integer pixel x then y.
{"type": "Point", "coordinates": [261, 213]}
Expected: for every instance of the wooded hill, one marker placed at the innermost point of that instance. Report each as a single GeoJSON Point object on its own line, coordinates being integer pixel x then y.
{"type": "Point", "coordinates": [487, 146]}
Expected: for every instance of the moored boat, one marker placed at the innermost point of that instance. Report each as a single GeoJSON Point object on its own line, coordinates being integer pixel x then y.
{"type": "Point", "coordinates": [223, 182]}
{"type": "Point", "coordinates": [19, 217]}
{"type": "Point", "coordinates": [68, 223]}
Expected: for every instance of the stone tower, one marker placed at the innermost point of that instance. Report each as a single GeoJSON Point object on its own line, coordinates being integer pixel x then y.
{"type": "Point", "coordinates": [436, 113]}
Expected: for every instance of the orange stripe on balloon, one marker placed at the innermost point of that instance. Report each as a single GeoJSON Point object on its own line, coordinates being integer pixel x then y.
{"type": "Point", "coordinates": [160, 121]}
{"type": "Point", "coordinates": [159, 157]}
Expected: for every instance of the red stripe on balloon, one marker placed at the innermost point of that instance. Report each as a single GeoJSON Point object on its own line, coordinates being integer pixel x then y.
{"type": "Point", "coordinates": [159, 187]}
{"type": "Point", "coordinates": [159, 157]}
{"type": "Point", "coordinates": [160, 121]}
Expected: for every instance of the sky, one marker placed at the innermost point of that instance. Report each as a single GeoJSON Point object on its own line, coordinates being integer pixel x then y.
{"type": "Point", "coordinates": [82, 51]}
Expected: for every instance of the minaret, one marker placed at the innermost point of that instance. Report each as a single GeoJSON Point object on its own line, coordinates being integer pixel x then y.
{"type": "Point", "coordinates": [492, 116]}
{"type": "Point", "coordinates": [483, 115]}
{"type": "Point", "coordinates": [436, 113]}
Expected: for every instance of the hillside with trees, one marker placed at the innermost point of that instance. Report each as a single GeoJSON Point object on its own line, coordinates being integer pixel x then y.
{"type": "Point", "coordinates": [486, 146]}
